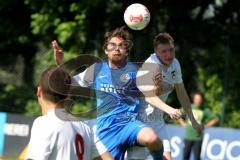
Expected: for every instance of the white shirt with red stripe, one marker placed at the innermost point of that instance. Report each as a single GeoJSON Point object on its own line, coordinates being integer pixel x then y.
{"type": "Point", "coordinates": [58, 136]}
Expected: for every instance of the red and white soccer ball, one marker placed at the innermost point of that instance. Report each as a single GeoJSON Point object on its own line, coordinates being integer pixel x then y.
{"type": "Point", "coordinates": [137, 16]}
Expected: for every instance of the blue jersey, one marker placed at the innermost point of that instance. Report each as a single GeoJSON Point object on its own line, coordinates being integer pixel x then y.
{"type": "Point", "coordinates": [117, 104]}
{"type": "Point", "coordinates": [116, 89]}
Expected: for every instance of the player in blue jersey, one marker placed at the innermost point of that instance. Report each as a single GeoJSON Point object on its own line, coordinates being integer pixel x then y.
{"type": "Point", "coordinates": [114, 81]}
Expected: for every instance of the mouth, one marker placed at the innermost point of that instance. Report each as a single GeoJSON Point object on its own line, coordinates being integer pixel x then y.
{"type": "Point", "coordinates": [170, 59]}
{"type": "Point", "coordinates": [117, 54]}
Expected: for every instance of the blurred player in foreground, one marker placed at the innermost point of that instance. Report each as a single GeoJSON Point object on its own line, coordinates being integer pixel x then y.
{"type": "Point", "coordinates": [205, 117]}
{"type": "Point", "coordinates": [57, 135]}
{"type": "Point", "coordinates": [167, 72]}
{"type": "Point", "coordinates": [114, 81]}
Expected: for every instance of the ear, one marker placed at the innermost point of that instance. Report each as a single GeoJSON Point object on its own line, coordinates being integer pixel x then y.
{"type": "Point", "coordinates": [106, 52]}
{"type": "Point", "coordinates": [39, 91]}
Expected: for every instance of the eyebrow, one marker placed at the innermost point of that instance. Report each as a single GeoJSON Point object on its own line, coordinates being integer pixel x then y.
{"type": "Point", "coordinates": [116, 43]}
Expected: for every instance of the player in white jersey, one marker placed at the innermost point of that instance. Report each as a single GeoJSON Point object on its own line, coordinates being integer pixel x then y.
{"type": "Point", "coordinates": [165, 67]}
{"type": "Point", "coordinates": [57, 135]}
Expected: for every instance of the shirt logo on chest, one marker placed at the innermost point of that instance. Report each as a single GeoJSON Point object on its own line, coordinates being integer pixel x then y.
{"type": "Point", "coordinates": [167, 74]}
{"type": "Point", "coordinates": [124, 78]}
{"type": "Point", "coordinates": [173, 73]}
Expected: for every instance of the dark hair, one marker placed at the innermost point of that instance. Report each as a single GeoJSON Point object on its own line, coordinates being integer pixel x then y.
{"type": "Point", "coordinates": [55, 83]}
{"type": "Point", "coordinates": [162, 38]}
{"type": "Point", "coordinates": [196, 93]}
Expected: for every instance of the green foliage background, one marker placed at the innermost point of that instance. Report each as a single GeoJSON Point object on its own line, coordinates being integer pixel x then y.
{"type": "Point", "coordinates": [206, 34]}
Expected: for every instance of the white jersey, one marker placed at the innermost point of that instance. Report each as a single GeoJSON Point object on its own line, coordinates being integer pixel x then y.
{"type": "Point", "coordinates": [59, 137]}
{"type": "Point", "coordinates": [170, 75]}
{"type": "Point", "coordinates": [148, 114]}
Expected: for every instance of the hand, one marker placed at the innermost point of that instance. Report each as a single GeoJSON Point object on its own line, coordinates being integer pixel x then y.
{"type": "Point", "coordinates": [175, 114]}
{"type": "Point", "coordinates": [58, 53]}
{"type": "Point", "coordinates": [160, 86]}
{"type": "Point", "coordinates": [197, 127]}
{"type": "Point", "coordinates": [157, 78]}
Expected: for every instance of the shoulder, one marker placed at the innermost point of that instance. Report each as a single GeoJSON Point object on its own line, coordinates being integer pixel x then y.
{"type": "Point", "coordinates": [41, 131]}
{"type": "Point", "coordinates": [132, 66]}
{"type": "Point", "coordinates": [176, 63]}
{"type": "Point", "coordinates": [86, 77]}
{"type": "Point", "coordinates": [40, 139]}
{"type": "Point", "coordinates": [152, 59]}
{"type": "Point", "coordinates": [99, 64]}
{"type": "Point", "coordinates": [44, 127]}
{"type": "Point", "coordinates": [39, 122]}
{"type": "Point", "coordinates": [92, 67]}
{"type": "Point", "coordinates": [151, 62]}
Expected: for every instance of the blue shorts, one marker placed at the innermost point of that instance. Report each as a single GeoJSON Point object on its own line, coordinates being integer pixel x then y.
{"type": "Point", "coordinates": [119, 134]}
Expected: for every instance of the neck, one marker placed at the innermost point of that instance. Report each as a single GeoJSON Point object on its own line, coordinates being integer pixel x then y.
{"type": "Point", "coordinates": [118, 64]}
{"type": "Point", "coordinates": [162, 61]}
{"type": "Point", "coordinates": [47, 106]}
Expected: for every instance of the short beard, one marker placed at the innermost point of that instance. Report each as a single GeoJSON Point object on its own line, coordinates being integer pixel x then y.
{"type": "Point", "coordinates": [119, 62]}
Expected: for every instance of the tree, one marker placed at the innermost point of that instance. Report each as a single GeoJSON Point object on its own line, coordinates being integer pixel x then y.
{"type": "Point", "coordinates": [206, 35]}
{"type": "Point", "coordinates": [17, 47]}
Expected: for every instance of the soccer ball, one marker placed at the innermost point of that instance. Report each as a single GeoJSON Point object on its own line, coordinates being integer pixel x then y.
{"type": "Point", "coordinates": [137, 16]}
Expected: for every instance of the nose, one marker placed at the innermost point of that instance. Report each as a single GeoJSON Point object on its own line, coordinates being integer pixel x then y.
{"type": "Point", "coordinates": [117, 48]}
{"type": "Point", "coordinates": [168, 55]}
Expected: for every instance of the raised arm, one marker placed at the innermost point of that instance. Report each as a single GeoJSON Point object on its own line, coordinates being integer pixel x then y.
{"type": "Point", "coordinates": [58, 53]}
{"type": "Point", "coordinates": [79, 80]}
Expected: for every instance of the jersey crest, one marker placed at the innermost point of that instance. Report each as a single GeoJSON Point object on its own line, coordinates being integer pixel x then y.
{"type": "Point", "coordinates": [124, 77]}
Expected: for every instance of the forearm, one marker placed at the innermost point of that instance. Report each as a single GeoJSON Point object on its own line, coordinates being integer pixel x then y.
{"type": "Point", "coordinates": [186, 104]}
{"type": "Point", "coordinates": [211, 123]}
{"type": "Point", "coordinates": [155, 101]}
{"type": "Point", "coordinates": [182, 122]}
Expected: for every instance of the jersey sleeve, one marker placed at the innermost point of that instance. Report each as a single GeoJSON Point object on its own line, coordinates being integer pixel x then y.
{"type": "Point", "coordinates": [145, 76]}
{"type": "Point", "coordinates": [85, 78]}
{"type": "Point", "coordinates": [39, 145]}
